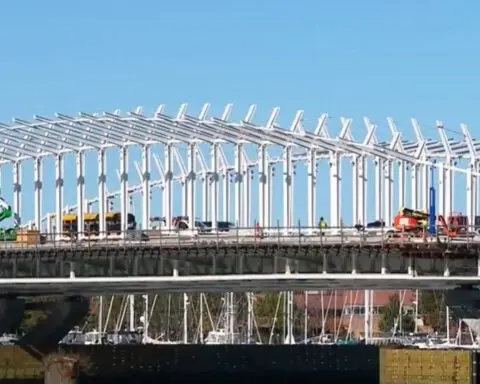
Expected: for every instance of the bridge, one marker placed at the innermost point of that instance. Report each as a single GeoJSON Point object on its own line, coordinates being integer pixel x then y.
{"type": "Point", "coordinates": [241, 172]}
{"type": "Point", "coordinates": [191, 155]}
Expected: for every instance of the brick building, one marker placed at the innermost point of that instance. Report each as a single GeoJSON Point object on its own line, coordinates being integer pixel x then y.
{"type": "Point", "coordinates": [352, 304]}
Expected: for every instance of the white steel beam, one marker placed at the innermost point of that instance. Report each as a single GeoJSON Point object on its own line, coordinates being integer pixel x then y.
{"type": "Point", "coordinates": [46, 139]}
{"type": "Point", "coordinates": [238, 185]}
{"type": "Point", "coordinates": [168, 191]}
{"type": "Point", "coordinates": [420, 172]}
{"type": "Point", "coordinates": [102, 198]}
{"type": "Point", "coordinates": [472, 180]}
{"type": "Point", "coordinates": [214, 179]}
{"type": "Point", "coordinates": [37, 175]}
{"type": "Point", "coordinates": [58, 195]}
{"type": "Point", "coordinates": [262, 185]}
{"type": "Point", "coordinates": [388, 180]}
{"type": "Point", "coordinates": [378, 164]}
{"type": "Point", "coordinates": [225, 185]}
{"type": "Point", "coordinates": [246, 196]}
{"type": "Point", "coordinates": [146, 169]}
{"type": "Point", "coordinates": [311, 188]}
{"type": "Point", "coordinates": [80, 165]}
{"type": "Point", "coordinates": [69, 132]}
{"type": "Point", "coordinates": [335, 177]}
{"type": "Point", "coordinates": [206, 185]}
{"type": "Point", "coordinates": [287, 188]}
{"type": "Point", "coordinates": [17, 191]}
{"type": "Point", "coordinates": [124, 198]}
{"type": "Point", "coordinates": [447, 173]}
{"type": "Point", "coordinates": [192, 150]}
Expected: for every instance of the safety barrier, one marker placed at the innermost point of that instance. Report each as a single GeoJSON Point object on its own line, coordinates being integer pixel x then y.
{"type": "Point", "coordinates": [251, 236]}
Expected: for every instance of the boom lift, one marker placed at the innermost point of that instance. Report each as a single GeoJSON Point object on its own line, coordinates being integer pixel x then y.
{"type": "Point", "coordinates": [419, 223]}
{"type": "Point", "coordinates": [7, 234]}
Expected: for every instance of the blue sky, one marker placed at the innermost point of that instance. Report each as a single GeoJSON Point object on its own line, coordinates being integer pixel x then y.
{"type": "Point", "coordinates": [348, 58]}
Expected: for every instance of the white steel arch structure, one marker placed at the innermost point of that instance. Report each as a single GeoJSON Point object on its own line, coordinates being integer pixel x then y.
{"type": "Point", "coordinates": [54, 137]}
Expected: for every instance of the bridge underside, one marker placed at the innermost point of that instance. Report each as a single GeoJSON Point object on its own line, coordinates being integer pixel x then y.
{"type": "Point", "coordinates": [59, 318]}
{"type": "Point", "coordinates": [215, 260]}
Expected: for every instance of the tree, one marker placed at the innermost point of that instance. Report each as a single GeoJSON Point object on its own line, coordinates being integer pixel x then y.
{"type": "Point", "coordinates": [265, 308]}
{"type": "Point", "coordinates": [432, 308]}
{"type": "Point", "coordinates": [390, 313]}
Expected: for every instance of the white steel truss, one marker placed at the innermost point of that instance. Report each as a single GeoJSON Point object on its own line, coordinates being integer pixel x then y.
{"type": "Point", "coordinates": [208, 174]}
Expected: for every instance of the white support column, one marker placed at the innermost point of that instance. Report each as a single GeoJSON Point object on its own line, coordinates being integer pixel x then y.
{"type": "Point", "coordinates": [471, 195]}
{"type": "Point", "coordinates": [262, 185]}
{"type": "Point", "coordinates": [268, 191]}
{"type": "Point", "coordinates": [238, 185]}
{"type": "Point", "coordinates": [414, 194]}
{"type": "Point", "coordinates": [214, 155]}
{"type": "Point", "coordinates": [206, 197]}
{"type": "Point", "coordinates": [360, 162]}
{"type": "Point", "coordinates": [37, 175]}
{"type": "Point", "coordinates": [102, 200]}
{"type": "Point", "coordinates": [192, 149]}
{"type": "Point", "coordinates": [448, 187]}
{"type": "Point", "coordinates": [355, 216]}
{"type": "Point", "coordinates": [379, 186]}
{"type": "Point", "coordinates": [287, 188]}
{"type": "Point", "coordinates": [311, 188]}
{"type": "Point", "coordinates": [226, 195]}
{"type": "Point", "coordinates": [388, 180]}
{"type": "Point", "coordinates": [425, 169]}
{"type": "Point", "coordinates": [441, 190]}
{"type": "Point", "coordinates": [167, 191]}
{"type": "Point", "coordinates": [58, 195]}
{"type": "Point", "coordinates": [401, 184]}
{"type": "Point", "coordinates": [246, 193]}
{"type": "Point", "coordinates": [335, 178]}
{"type": "Point", "coordinates": [80, 156]}
{"type": "Point", "coordinates": [17, 191]}
{"type": "Point", "coordinates": [124, 190]}
{"type": "Point", "coordinates": [146, 187]}
{"type": "Point", "coordinates": [477, 189]}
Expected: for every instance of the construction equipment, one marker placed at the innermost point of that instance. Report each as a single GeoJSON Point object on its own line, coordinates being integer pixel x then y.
{"type": "Point", "coordinates": [7, 234]}
{"type": "Point", "coordinates": [410, 220]}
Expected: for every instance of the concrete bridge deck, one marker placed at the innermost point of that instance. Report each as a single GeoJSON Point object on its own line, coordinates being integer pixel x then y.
{"type": "Point", "coordinates": [231, 254]}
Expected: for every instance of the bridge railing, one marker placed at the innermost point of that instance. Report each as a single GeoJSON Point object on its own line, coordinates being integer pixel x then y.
{"type": "Point", "coordinates": [255, 235]}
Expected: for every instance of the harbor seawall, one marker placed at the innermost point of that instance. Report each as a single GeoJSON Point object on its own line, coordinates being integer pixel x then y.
{"type": "Point", "coordinates": [310, 363]}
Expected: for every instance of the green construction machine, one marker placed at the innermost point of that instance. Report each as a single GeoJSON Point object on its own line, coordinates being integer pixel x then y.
{"type": "Point", "coordinates": [7, 234]}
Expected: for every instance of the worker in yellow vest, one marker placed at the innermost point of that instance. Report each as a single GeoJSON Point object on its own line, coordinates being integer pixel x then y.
{"type": "Point", "coordinates": [322, 224]}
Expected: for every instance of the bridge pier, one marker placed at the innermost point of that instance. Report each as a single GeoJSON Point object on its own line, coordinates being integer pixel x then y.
{"type": "Point", "coordinates": [61, 317]}
{"type": "Point", "coordinates": [72, 269]}
{"type": "Point", "coordinates": [411, 265]}
{"type": "Point", "coordinates": [175, 268]}
{"type": "Point", "coordinates": [446, 265]}
{"type": "Point", "coordinates": [478, 262]}
{"type": "Point", "coordinates": [11, 314]}
{"type": "Point", "coordinates": [384, 269]}
{"type": "Point", "coordinates": [354, 254]}
{"type": "Point", "coordinates": [324, 262]}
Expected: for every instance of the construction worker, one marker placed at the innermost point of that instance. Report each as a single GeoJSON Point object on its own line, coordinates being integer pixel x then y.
{"type": "Point", "coordinates": [322, 224]}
